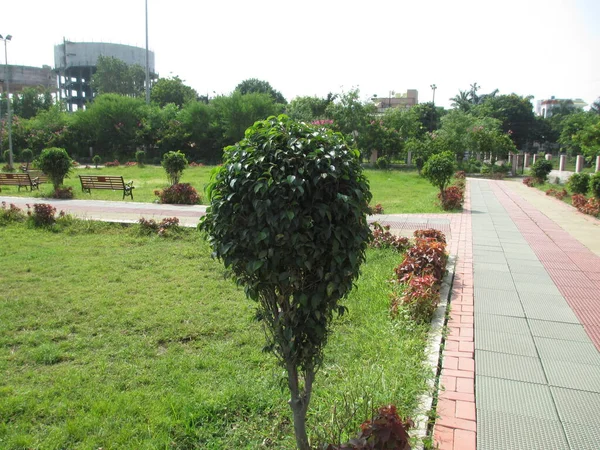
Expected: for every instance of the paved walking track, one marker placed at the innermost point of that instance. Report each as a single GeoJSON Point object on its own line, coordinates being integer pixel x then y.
{"type": "Point", "coordinates": [521, 364]}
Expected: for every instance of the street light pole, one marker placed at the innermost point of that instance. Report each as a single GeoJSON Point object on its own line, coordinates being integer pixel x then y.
{"type": "Point", "coordinates": [8, 110]}
{"type": "Point", "coordinates": [147, 60]}
{"type": "Point", "coordinates": [433, 88]}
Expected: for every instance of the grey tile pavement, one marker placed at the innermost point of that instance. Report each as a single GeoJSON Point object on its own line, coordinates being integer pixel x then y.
{"type": "Point", "coordinates": [537, 374]}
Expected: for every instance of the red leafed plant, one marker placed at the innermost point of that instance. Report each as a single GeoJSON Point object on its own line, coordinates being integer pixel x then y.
{"type": "Point", "coordinates": [529, 181]}
{"type": "Point", "coordinates": [385, 431]}
{"type": "Point", "coordinates": [420, 298]}
{"type": "Point", "coordinates": [377, 209]}
{"type": "Point", "coordinates": [430, 233]}
{"type": "Point", "coordinates": [591, 207]}
{"type": "Point", "coordinates": [578, 200]}
{"type": "Point", "coordinates": [452, 197]}
{"type": "Point", "coordinates": [426, 257]}
{"type": "Point", "coordinates": [382, 238]}
{"type": "Point", "coordinates": [114, 163]}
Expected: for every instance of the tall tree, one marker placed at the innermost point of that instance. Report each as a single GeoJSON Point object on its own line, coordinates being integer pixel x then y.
{"type": "Point", "coordinates": [30, 101]}
{"type": "Point", "coordinates": [172, 90]}
{"type": "Point", "coordinates": [256, 86]}
{"type": "Point", "coordinates": [307, 109]}
{"type": "Point", "coordinates": [114, 76]}
{"type": "Point", "coordinates": [515, 114]}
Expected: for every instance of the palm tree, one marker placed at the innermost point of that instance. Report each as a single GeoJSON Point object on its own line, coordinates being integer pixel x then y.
{"type": "Point", "coordinates": [462, 101]}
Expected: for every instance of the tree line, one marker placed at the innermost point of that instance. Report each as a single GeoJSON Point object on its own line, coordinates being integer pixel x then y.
{"type": "Point", "coordinates": [119, 122]}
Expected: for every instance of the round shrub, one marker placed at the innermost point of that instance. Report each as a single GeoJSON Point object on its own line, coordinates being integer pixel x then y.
{"type": "Point", "coordinates": [56, 163]}
{"type": "Point", "coordinates": [288, 216]}
{"type": "Point", "coordinates": [179, 194]}
{"type": "Point", "coordinates": [174, 164]}
{"type": "Point", "coordinates": [439, 170]}
{"type": "Point", "coordinates": [579, 183]}
{"type": "Point", "coordinates": [541, 169]}
{"type": "Point", "coordinates": [595, 185]}
{"type": "Point", "coordinates": [27, 155]}
{"type": "Point", "coordinates": [96, 160]}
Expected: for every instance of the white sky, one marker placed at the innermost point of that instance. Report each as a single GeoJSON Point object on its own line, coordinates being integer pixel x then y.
{"type": "Point", "coordinates": [310, 47]}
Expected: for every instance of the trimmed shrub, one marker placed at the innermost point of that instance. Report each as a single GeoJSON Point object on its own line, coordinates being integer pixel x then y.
{"type": "Point", "coordinates": [56, 163]}
{"type": "Point", "coordinates": [439, 170]}
{"type": "Point", "coordinates": [179, 194]}
{"type": "Point", "coordinates": [96, 160]}
{"type": "Point", "coordinates": [63, 193]}
{"type": "Point", "coordinates": [27, 155]}
{"type": "Point", "coordinates": [288, 217]}
{"type": "Point", "coordinates": [579, 183]}
{"type": "Point", "coordinates": [140, 157]}
{"type": "Point", "coordinates": [595, 185]}
{"type": "Point", "coordinates": [174, 164]}
{"type": "Point", "coordinates": [540, 170]}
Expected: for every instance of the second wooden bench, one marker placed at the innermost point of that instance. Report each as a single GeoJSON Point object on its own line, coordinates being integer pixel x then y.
{"type": "Point", "coordinates": [110, 182]}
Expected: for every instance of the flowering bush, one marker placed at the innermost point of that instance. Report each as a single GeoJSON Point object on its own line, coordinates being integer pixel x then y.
{"type": "Point", "coordinates": [11, 213]}
{"type": "Point", "coordinates": [382, 238]}
{"type": "Point", "coordinates": [452, 198]}
{"type": "Point", "coordinates": [529, 181]}
{"type": "Point", "coordinates": [114, 163]}
{"type": "Point", "coordinates": [179, 194]}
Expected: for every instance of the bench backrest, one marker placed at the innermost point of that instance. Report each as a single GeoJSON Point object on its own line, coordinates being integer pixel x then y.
{"type": "Point", "coordinates": [17, 179]}
{"type": "Point", "coordinates": [102, 182]}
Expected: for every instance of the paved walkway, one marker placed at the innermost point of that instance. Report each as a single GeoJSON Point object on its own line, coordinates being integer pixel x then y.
{"type": "Point", "coordinates": [521, 369]}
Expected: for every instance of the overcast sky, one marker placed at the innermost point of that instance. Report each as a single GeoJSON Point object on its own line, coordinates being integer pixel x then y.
{"type": "Point", "coordinates": [310, 47]}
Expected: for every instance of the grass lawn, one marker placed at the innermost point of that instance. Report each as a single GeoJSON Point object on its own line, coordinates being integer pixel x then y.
{"type": "Point", "coordinates": [110, 339]}
{"type": "Point", "coordinates": [399, 191]}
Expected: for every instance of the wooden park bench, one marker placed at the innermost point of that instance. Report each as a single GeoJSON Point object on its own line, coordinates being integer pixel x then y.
{"type": "Point", "coordinates": [26, 180]}
{"type": "Point", "coordinates": [111, 182]}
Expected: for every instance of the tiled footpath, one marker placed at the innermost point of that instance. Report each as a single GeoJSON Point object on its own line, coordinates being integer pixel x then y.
{"type": "Point", "coordinates": [537, 371]}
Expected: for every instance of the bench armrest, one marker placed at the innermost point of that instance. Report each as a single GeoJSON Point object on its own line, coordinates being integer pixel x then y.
{"type": "Point", "coordinates": [130, 184]}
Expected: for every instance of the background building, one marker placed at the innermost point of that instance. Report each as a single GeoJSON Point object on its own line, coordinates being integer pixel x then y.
{"type": "Point", "coordinates": [544, 107]}
{"type": "Point", "coordinates": [21, 77]}
{"type": "Point", "coordinates": [75, 63]}
{"type": "Point", "coordinates": [404, 101]}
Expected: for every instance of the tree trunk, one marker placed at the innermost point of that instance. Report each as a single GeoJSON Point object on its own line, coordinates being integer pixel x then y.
{"type": "Point", "coordinates": [299, 400]}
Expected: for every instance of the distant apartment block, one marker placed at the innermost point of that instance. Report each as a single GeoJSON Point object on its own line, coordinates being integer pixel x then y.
{"type": "Point", "coordinates": [544, 107]}
{"type": "Point", "coordinates": [402, 101]}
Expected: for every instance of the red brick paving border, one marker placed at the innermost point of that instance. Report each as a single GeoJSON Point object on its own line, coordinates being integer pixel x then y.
{"type": "Point", "coordinates": [573, 267]}
{"type": "Point", "coordinates": [456, 426]}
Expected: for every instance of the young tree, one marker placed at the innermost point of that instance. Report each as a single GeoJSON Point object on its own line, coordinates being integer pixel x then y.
{"type": "Point", "coordinates": [56, 163]}
{"type": "Point", "coordinates": [174, 164]}
{"type": "Point", "coordinates": [287, 215]}
{"type": "Point", "coordinates": [439, 170]}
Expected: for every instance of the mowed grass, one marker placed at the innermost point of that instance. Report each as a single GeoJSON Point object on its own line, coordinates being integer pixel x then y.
{"type": "Point", "coordinates": [398, 191]}
{"type": "Point", "coordinates": [110, 339]}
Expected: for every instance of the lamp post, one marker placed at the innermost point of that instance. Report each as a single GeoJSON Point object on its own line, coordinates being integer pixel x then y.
{"type": "Point", "coordinates": [147, 61]}
{"type": "Point", "coordinates": [8, 111]}
{"type": "Point", "coordinates": [433, 88]}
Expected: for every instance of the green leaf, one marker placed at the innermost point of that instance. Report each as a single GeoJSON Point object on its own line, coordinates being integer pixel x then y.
{"type": "Point", "coordinates": [331, 287]}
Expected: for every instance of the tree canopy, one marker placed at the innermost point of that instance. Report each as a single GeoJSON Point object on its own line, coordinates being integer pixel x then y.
{"type": "Point", "coordinates": [256, 86]}
{"type": "Point", "coordinates": [172, 90]}
{"type": "Point", "coordinates": [114, 76]}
